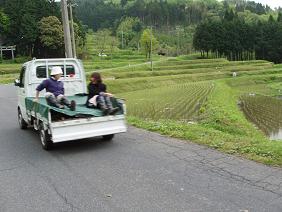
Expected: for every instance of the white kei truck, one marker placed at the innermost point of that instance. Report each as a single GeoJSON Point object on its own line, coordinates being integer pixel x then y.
{"type": "Point", "coordinates": [58, 125]}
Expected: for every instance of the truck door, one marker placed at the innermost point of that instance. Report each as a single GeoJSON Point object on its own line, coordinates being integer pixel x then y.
{"type": "Point", "coordinates": [21, 93]}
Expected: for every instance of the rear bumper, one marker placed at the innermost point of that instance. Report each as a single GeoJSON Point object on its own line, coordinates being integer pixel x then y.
{"type": "Point", "coordinates": [87, 128]}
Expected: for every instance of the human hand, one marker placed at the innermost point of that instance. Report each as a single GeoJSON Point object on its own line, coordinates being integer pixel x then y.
{"type": "Point", "coordinates": [35, 100]}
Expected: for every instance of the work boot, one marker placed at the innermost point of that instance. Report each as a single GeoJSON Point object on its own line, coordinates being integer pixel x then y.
{"type": "Point", "coordinates": [105, 111]}
{"type": "Point", "coordinates": [113, 111]}
{"type": "Point", "coordinates": [72, 105]}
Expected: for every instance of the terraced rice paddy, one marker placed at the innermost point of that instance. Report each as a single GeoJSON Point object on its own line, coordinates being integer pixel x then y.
{"type": "Point", "coordinates": [265, 112]}
{"type": "Point", "coordinates": [219, 68]}
{"type": "Point", "coordinates": [179, 102]}
{"type": "Point", "coordinates": [115, 57]}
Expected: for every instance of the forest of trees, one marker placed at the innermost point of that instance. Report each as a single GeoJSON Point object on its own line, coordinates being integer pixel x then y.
{"type": "Point", "coordinates": [236, 29]}
{"type": "Point", "coordinates": [99, 14]}
{"type": "Point", "coordinates": [22, 23]}
{"type": "Point", "coordinates": [235, 39]}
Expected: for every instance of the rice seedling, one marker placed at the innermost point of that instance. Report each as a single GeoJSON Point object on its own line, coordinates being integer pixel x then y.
{"type": "Point", "coordinates": [265, 112]}
{"type": "Point", "coordinates": [178, 102]}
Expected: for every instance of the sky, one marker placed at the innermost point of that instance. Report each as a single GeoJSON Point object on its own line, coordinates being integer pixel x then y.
{"type": "Point", "coordinates": [271, 3]}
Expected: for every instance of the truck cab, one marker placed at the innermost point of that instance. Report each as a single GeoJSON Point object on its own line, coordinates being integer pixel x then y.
{"type": "Point", "coordinates": [59, 125]}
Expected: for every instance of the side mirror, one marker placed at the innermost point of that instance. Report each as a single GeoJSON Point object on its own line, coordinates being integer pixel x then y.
{"type": "Point", "coordinates": [17, 82]}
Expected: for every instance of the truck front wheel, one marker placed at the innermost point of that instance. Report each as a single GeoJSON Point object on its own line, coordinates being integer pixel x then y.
{"type": "Point", "coordinates": [45, 138]}
{"type": "Point", "coordinates": [23, 125]}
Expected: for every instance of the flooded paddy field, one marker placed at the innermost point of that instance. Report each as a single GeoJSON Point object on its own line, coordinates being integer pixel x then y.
{"type": "Point", "coordinates": [265, 112]}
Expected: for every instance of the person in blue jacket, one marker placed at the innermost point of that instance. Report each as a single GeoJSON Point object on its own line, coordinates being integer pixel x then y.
{"type": "Point", "coordinates": [55, 92]}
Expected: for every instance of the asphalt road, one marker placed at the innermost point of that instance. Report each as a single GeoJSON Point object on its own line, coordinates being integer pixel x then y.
{"type": "Point", "coordinates": [138, 171]}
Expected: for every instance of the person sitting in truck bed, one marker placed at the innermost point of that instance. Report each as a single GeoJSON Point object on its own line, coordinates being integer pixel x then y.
{"type": "Point", "coordinates": [98, 96]}
{"type": "Point", "coordinates": [55, 92]}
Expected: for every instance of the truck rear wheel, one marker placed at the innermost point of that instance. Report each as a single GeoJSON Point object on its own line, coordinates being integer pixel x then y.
{"type": "Point", "coordinates": [45, 138]}
{"type": "Point", "coordinates": [108, 137]}
{"type": "Point", "coordinates": [23, 125]}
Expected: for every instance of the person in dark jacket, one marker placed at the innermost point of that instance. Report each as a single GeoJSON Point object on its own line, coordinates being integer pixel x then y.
{"type": "Point", "coordinates": [55, 92]}
{"type": "Point", "coordinates": [98, 96]}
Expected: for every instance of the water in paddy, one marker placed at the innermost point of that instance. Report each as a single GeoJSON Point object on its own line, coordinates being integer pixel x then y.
{"type": "Point", "coordinates": [265, 112]}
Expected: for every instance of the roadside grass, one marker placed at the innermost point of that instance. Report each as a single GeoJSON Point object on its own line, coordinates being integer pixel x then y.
{"type": "Point", "coordinates": [9, 68]}
{"type": "Point", "coordinates": [224, 128]}
{"type": "Point", "coordinates": [8, 78]}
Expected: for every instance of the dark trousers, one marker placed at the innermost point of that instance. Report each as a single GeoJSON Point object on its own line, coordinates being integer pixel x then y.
{"type": "Point", "coordinates": [57, 101]}
{"type": "Point", "coordinates": [104, 102]}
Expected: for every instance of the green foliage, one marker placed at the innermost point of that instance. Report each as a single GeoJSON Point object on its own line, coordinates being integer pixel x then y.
{"type": "Point", "coordinates": [80, 32]}
{"type": "Point", "coordinates": [175, 41]}
{"type": "Point", "coordinates": [128, 29]}
{"type": "Point", "coordinates": [4, 23]}
{"type": "Point", "coordinates": [237, 40]}
{"type": "Point", "coordinates": [148, 42]}
{"type": "Point", "coordinates": [99, 14]}
{"type": "Point", "coordinates": [23, 28]}
{"type": "Point", "coordinates": [104, 40]}
{"type": "Point", "coordinates": [51, 32]}
{"type": "Point", "coordinates": [20, 20]}
{"type": "Point", "coordinates": [279, 19]}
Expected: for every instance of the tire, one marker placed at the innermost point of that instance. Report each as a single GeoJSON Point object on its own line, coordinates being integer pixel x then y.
{"type": "Point", "coordinates": [22, 124]}
{"type": "Point", "coordinates": [108, 137]}
{"type": "Point", "coordinates": [45, 138]}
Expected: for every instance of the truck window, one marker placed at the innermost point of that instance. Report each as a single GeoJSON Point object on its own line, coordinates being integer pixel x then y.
{"type": "Point", "coordinates": [70, 71]}
{"type": "Point", "coordinates": [41, 71]}
{"type": "Point", "coordinates": [22, 77]}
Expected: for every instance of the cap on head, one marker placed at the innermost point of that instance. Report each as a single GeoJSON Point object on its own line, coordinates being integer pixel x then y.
{"type": "Point", "coordinates": [56, 70]}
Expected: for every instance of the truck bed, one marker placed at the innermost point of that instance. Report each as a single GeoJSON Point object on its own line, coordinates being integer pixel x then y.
{"type": "Point", "coordinates": [42, 108]}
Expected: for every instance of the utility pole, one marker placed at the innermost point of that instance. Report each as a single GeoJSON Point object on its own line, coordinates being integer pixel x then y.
{"type": "Point", "coordinates": [151, 53]}
{"type": "Point", "coordinates": [66, 26]}
{"type": "Point", "coordinates": [72, 30]}
{"type": "Point", "coordinates": [122, 39]}
{"type": "Point", "coordinates": [178, 42]}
